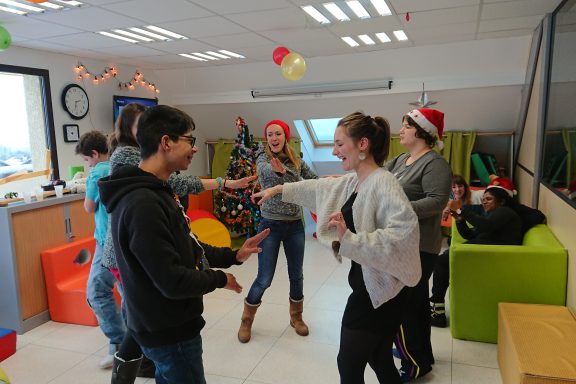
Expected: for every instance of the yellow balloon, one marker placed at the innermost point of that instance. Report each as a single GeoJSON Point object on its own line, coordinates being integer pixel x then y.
{"type": "Point", "coordinates": [293, 66]}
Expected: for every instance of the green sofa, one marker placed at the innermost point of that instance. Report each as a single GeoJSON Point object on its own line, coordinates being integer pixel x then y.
{"type": "Point", "coordinates": [481, 276]}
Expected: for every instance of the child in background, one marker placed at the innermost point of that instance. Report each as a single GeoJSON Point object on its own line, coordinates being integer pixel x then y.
{"type": "Point", "coordinates": [94, 150]}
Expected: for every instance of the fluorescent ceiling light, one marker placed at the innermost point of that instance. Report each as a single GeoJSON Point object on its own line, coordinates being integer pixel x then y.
{"type": "Point", "coordinates": [148, 33]}
{"type": "Point", "coordinates": [216, 54]}
{"type": "Point", "coordinates": [114, 36]}
{"type": "Point", "coordinates": [191, 57]}
{"type": "Point", "coordinates": [318, 89]}
{"type": "Point", "coordinates": [358, 9]}
{"type": "Point", "coordinates": [166, 32]}
{"type": "Point", "coordinates": [51, 5]}
{"type": "Point", "coordinates": [336, 11]}
{"type": "Point", "coordinates": [315, 14]}
{"type": "Point", "coordinates": [236, 55]}
{"type": "Point", "coordinates": [383, 37]}
{"type": "Point", "coordinates": [350, 41]}
{"type": "Point", "coordinates": [133, 35]}
{"type": "Point", "coordinates": [23, 6]}
{"type": "Point", "coordinates": [400, 35]}
{"type": "Point", "coordinates": [366, 39]}
{"type": "Point", "coordinates": [203, 55]}
{"type": "Point", "coordinates": [12, 10]}
{"type": "Point", "coordinates": [381, 7]}
{"type": "Point", "coordinates": [72, 3]}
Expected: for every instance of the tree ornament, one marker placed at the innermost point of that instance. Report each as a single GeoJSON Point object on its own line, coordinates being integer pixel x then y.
{"type": "Point", "coordinates": [234, 213]}
{"type": "Point", "coordinates": [223, 209]}
{"type": "Point", "coordinates": [239, 207]}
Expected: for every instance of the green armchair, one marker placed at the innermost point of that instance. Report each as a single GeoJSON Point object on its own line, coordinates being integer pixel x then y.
{"type": "Point", "coordinates": [481, 276]}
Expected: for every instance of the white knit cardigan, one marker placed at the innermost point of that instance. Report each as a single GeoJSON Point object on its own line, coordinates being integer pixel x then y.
{"type": "Point", "coordinates": [387, 236]}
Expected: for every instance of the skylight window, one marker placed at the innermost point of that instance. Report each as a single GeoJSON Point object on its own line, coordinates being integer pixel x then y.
{"type": "Point", "coordinates": [322, 130]}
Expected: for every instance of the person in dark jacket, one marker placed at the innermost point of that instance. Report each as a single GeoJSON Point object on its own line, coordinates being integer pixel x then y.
{"type": "Point", "coordinates": [165, 269]}
{"type": "Point", "coordinates": [500, 225]}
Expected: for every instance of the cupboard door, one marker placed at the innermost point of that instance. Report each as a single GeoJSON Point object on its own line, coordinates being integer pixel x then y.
{"type": "Point", "coordinates": [81, 222]}
{"type": "Point", "coordinates": [35, 231]}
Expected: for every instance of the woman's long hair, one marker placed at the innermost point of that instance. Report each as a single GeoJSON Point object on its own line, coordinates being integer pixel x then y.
{"type": "Point", "coordinates": [122, 135]}
{"type": "Point", "coordinates": [286, 153]}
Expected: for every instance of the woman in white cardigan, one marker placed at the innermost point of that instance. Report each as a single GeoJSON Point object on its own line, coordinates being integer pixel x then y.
{"type": "Point", "coordinates": [364, 216]}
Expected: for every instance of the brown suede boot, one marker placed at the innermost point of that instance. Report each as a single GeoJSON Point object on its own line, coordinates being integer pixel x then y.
{"type": "Point", "coordinates": [296, 317]}
{"type": "Point", "coordinates": [245, 331]}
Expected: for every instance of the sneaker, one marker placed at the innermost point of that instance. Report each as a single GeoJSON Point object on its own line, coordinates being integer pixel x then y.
{"type": "Point", "coordinates": [106, 362]}
{"type": "Point", "coordinates": [408, 374]}
{"type": "Point", "coordinates": [396, 353]}
{"type": "Point", "coordinates": [438, 315]}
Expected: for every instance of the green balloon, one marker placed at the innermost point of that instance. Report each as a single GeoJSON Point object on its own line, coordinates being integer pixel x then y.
{"type": "Point", "coordinates": [5, 39]}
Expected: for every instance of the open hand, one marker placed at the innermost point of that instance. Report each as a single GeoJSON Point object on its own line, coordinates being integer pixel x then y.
{"type": "Point", "coordinates": [266, 194]}
{"type": "Point", "coordinates": [336, 220]}
{"type": "Point", "coordinates": [454, 204]}
{"type": "Point", "coordinates": [240, 183]}
{"type": "Point", "coordinates": [232, 284]}
{"type": "Point", "coordinates": [277, 165]}
{"type": "Point", "coordinates": [250, 246]}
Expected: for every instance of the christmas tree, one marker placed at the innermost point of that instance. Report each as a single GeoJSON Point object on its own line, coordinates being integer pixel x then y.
{"type": "Point", "coordinates": [234, 206]}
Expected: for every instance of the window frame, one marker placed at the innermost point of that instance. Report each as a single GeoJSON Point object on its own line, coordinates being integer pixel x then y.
{"type": "Point", "coordinates": [312, 133]}
{"type": "Point", "coordinates": [49, 131]}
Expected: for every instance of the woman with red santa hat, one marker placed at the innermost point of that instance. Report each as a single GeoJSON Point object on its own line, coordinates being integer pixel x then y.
{"type": "Point", "coordinates": [426, 179]}
{"type": "Point", "coordinates": [277, 163]}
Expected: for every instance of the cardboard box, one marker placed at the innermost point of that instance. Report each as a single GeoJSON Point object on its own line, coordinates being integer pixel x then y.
{"type": "Point", "coordinates": [536, 344]}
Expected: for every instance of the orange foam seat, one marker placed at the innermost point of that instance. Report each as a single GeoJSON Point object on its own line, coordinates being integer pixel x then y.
{"type": "Point", "coordinates": [66, 283]}
{"type": "Point", "coordinates": [212, 232]}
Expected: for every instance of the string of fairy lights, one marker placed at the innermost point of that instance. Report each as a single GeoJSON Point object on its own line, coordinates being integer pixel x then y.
{"type": "Point", "coordinates": [82, 72]}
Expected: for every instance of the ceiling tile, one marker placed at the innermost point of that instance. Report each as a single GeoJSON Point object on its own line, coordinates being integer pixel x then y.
{"type": "Point", "coordinates": [403, 6]}
{"type": "Point", "coordinates": [208, 26]}
{"type": "Point", "coordinates": [36, 29]}
{"type": "Point", "coordinates": [131, 50]}
{"type": "Point", "coordinates": [238, 40]}
{"type": "Point", "coordinates": [88, 40]}
{"type": "Point", "coordinates": [181, 46]}
{"type": "Point", "coordinates": [271, 20]}
{"type": "Point", "coordinates": [518, 8]}
{"type": "Point", "coordinates": [527, 22]}
{"type": "Point", "coordinates": [88, 19]}
{"type": "Point", "coordinates": [435, 18]}
{"type": "Point", "coordinates": [358, 27]}
{"type": "Point", "coordinates": [148, 10]}
{"type": "Point", "coordinates": [443, 31]}
{"type": "Point", "coordinates": [287, 36]}
{"type": "Point", "coordinates": [227, 7]}
{"type": "Point", "coordinates": [502, 34]}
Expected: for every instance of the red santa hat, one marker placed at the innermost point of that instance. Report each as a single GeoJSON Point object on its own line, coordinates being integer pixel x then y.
{"type": "Point", "coordinates": [430, 120]}
{"type": "Point", "coordinates": [502, 183]}
{"type": "Point", "coordinates": [285, 127]}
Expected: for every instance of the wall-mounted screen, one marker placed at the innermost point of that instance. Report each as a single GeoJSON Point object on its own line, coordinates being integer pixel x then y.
{"type": "Point", "coordinates": [122, 101]}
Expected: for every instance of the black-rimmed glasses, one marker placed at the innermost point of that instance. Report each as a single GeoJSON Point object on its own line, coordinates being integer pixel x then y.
{"type": "Point", "coordinates": [191, 139]}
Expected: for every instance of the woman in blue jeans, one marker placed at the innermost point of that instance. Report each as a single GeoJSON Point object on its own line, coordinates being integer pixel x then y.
{"type": "Point", "coordinates": [277, 164]}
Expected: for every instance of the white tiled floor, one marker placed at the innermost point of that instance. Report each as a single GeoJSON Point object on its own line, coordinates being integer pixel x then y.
{"type": "Point", "coordinates": [58, 353]}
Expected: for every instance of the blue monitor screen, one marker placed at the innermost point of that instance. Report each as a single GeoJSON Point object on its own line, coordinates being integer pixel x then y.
{"type": "Point", "coordinates": [122, 101]}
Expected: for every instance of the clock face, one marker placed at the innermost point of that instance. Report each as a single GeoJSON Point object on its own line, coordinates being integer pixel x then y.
{"type": "Point", "coordinates": [75, 101]}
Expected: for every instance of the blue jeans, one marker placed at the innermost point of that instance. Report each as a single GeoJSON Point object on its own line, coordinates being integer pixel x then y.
{"type": "Point", "coordinates": [101, 299]}
{"type": "Point", "coordinates": [291, 234]}
{"type": "Point", "coordinates": [179, 363]}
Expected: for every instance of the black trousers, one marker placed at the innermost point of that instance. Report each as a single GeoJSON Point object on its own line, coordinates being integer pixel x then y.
{"type": "Point", "coordinates": [359, 347]}
{"type": "Point", "coordinates": [441, 277]}
{"type": "Point", "coordinates": [413, 338]}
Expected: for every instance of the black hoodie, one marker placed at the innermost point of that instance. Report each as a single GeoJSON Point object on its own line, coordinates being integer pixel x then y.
{"type": "Point", "coordinates": [159, 262]}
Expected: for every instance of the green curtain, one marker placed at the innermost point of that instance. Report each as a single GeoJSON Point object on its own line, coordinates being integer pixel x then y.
{"type": "Point", "coordinates": [457, 151]}
{"type": "Point", "coordinates": [569, 139]}
{"type": "Point", "coordinates": [395, 147]}
{"type": "Point", "coordinates": [223, 149]}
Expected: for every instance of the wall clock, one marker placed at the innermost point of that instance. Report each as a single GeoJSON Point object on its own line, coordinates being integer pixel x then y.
{"type": "Point", "coordinates": [75, 101]}
{"type": "Point", "coordinates": [71, 133]}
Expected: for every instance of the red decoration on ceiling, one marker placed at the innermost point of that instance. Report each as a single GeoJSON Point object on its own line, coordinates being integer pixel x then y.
{"type": "Point", "coordinates": [407, 16]}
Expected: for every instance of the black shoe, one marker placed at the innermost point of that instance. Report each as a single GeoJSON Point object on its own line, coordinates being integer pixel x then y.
{"type": "Point", "coordinates": [410, 373]}
{"type": "Point", "coordinates": [147, 368]}
{"type": "Point", "coordinates": [438, 316]}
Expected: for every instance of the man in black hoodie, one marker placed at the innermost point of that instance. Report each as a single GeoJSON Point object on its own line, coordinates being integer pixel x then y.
{"type": "Point", "coordinates": [165, 270]}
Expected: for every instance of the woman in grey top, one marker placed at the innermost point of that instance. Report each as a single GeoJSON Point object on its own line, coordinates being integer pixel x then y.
{"type": "Point", "coordinates": [426, 179]}
{"type": "Point", "coordinates": [278, 164]}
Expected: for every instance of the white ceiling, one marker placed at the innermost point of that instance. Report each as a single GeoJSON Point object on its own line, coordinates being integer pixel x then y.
{"type": "Point", "coordinates": [254, 28]}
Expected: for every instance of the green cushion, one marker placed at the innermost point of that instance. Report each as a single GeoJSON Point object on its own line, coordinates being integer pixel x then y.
{"type": "Point", "coordinates": [481, 276]}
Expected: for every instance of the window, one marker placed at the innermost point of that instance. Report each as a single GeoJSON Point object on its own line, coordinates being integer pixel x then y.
{"type": "Point", "coordinates": [322, 131]}
{"type": "Point", "coordinates": [27, 145]}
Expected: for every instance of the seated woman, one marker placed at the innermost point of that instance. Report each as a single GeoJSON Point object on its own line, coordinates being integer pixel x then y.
{"type": "Point", "coordinates": [500, 225]}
